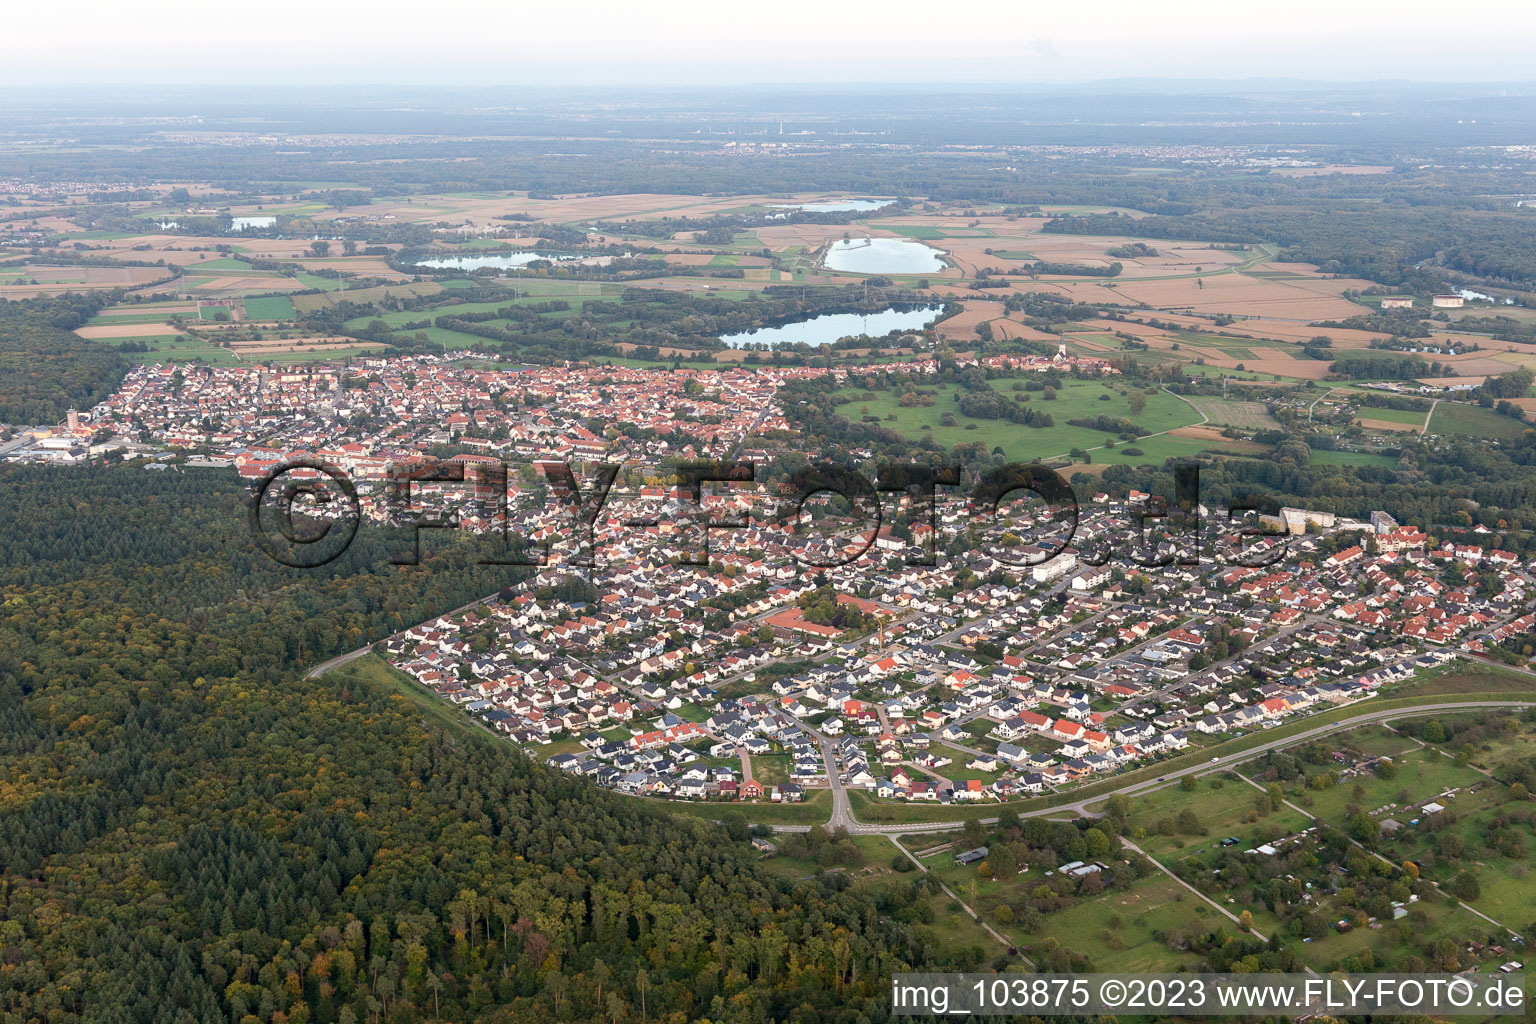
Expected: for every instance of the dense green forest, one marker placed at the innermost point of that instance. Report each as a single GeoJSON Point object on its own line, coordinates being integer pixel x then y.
{"type": "Point", "coordinates": [1395, 242]}
{"type": "Point", "coordinates": [650, 319]}
{"type": "Point", "coordinates": [48, 370]}
{"type": "Point", "coordinates": [189, 830]}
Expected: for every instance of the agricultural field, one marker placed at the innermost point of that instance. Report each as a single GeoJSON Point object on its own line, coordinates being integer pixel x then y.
{"type": "Point", "coordinates": [147, 314]}
{"type": "Point", "coordinates": [325, 284]}
{"type": "Point", "coordinates": [134, 329]}
{"type": "Point", "coordinates": [27, 280]}
{"type": "Point", "coordinates": [301, 350]}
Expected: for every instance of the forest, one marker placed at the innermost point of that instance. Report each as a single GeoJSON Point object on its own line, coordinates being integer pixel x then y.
{"type": "Point", "coordinates": [191, 831]}
{"type": "Point", "coordinates": [1394, 243]}
{"type": "Point", "coordinates": [47, 369]}
{"type": "Point", "coordinates": [649, 319]}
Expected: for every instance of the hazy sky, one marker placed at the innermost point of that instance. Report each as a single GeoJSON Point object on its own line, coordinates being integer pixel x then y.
{"type": "Point", "coordinates": [607, 42]}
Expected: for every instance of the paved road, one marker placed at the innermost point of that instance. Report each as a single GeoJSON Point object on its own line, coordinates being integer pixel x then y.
{"type": "Point", "coordinates": [1080, 808]}
{"type": "Point", "coordinates": [341, 659]}
{"type": "Point", "coordinates": [336, 662]}
{"type": "Point", "coordinates": [842, 814]}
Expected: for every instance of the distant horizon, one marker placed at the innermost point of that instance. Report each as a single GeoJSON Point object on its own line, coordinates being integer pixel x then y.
{"type": "Point", "coordinates": [1175, 85]}
{"type": "Point", "coordinates": [480, 43]}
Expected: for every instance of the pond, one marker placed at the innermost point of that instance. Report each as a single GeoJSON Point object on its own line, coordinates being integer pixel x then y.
{"type": "Point", "coordinates": [830, 327]}
{"type": "Point", "coordinates": [246, 223]}
{"type": "Point", "coordinates": [502, 261]}
{"type": "Point", "coordinates": [835, 205]}
{"type": "Point", "coordinates": [883, 256]}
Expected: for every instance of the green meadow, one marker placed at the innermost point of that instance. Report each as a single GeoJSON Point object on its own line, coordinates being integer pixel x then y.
{"type": "Point", "coordinates": [1075, 400]}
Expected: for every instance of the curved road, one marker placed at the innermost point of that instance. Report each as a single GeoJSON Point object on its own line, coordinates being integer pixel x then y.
{"type": "Point", "coordinates": [336, 662]}
{"type": "Point", "coordinates": [842, 813]}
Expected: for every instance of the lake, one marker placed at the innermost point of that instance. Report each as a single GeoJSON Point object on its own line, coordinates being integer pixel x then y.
{"type": "Point", "coordinates": [502, 261]}
{"type": "Point", "coordinates": [246, 223]}
{"type": "Point", "coordinates": [883, 256]}
{"type": "Point", "coordinates": [830, 327]}
{"type": "Point", "coordinates": [835, 205]}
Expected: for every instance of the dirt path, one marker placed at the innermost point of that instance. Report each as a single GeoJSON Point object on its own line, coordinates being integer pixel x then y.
{"type": "Point", "coordinates": [1221, 909]}
{"type": "Point", "coordinates": [963, 905]}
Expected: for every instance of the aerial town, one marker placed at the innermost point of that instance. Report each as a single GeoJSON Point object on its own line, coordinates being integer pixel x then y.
{"type": "Point", "coordinates": [979, 675]}
{"type": "Point", "coordinates": [923, 522]}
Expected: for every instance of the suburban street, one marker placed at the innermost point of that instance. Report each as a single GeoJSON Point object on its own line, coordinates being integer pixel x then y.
{"type": "Point", "coordinates": [843, 814]}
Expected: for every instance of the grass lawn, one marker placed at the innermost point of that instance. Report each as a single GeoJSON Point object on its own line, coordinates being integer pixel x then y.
{"type": "Point", "coordinates": [310, 303]}
{"type": "Point", "coordinates": [309, 355]}
{"type": "Point", "coordinates": [566, 746]}
{"type": "Point", "coordinates": [1127, 919]}
{"type": "Point", "coordinates": [1473, 421]}
{"type": "Point", "coordinates": [1375, 740]}
{"type": "Point", "coordinates": [1230, 412]}
{"type": "Point", "coordinates": [1507, 893]}
{"type": "Point", "coordinates": [1422, 773]}
{"type": "Point", "coordinates": [1386, 942]}
{"type": "Point", "coordinates": [269, 307]}
{"type": "Point", "coordinates": [1221, 812]}
{"type": "Point", "coordinates": [448, 338]}
{"type": "Point", "coordinates": [1322, 458]}
{"type": "Point", "coordinates": [1462, 678]}
{"type": "Point", "coordinates": [691, 712]}
{"type": "Point", "coordinates": [1207, 370]}
{"type": "Point", "coordinates": [814, 810]}
{"type": "Point", "coordinates": [877, 851]}
{"type": "Point", "coordinates": [1408, 416]}
{"type": "Point", "coordinates": [1155, 450]}
{"type": "Point", "coordinates": [1076, 400]}
{"type": "Point", "coordinates": [958, 770]}
{"type": "Point", "coordinates": [770, 769]}
{"type": "Point", "coordinates": [418, 315]}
